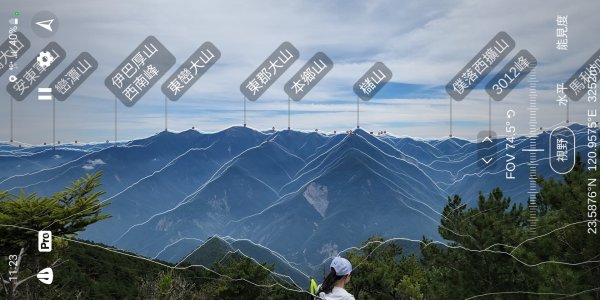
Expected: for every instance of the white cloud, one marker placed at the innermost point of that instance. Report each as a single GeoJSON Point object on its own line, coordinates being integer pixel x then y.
{"type": "Point", "coordinates": [91, 164]}
{"type": "Point", "coordinates": [423, 42]}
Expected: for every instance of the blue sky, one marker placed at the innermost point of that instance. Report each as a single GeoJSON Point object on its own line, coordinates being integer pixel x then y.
{"type": "Point", "coordinates": [424, 43]}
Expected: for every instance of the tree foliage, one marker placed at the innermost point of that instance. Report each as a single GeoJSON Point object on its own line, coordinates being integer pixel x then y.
{"type": "Point", "coordinates": [565, 211]}
{"type": "Point", "coordinates": [493, 248]}
{"type": "Point", "coordinates": [240, 277]}
{"type": "Point", "coordinates": [475, 261]}
{"type": "Point", "coordinates": [167, 285]}
{"type": "Point", "coordinates": [381, 271]}
{"type": "Point", "coordinates": [64, 213]}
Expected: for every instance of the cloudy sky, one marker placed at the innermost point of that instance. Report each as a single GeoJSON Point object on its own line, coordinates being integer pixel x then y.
{"type": "Point", "coordinates": [424, 43]}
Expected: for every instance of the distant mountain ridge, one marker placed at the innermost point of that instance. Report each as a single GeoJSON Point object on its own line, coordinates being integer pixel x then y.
{"type": "Point", "coordinates": [216, 249]}
{"type": "Point", "coordinates": [304, 195]}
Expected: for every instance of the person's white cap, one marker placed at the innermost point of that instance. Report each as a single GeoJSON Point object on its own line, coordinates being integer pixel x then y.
{"type": "Point", "coordinates": [341, 266]}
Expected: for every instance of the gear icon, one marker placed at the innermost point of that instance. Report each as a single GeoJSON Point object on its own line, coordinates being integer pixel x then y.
{"type": "Point", "coordinates": [45, 59]}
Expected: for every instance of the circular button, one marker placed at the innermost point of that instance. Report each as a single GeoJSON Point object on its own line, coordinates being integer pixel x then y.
{"type": "Point", "coordinates": [44, 24]}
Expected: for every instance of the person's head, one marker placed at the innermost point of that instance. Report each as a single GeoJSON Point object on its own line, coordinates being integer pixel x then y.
{"type": "Point", "coordinates": [338, 276]}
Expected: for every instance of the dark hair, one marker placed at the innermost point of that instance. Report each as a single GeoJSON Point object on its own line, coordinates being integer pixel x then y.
{"type": "Point", "coordinates": [329, 282]}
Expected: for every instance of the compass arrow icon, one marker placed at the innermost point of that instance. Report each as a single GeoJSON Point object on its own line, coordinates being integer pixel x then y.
{"type": "Point", "coordinates": [46, 24]}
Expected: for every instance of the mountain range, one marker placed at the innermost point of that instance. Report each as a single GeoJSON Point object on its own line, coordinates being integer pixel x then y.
{"type": "Point", "coordinates": [290, 198]}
